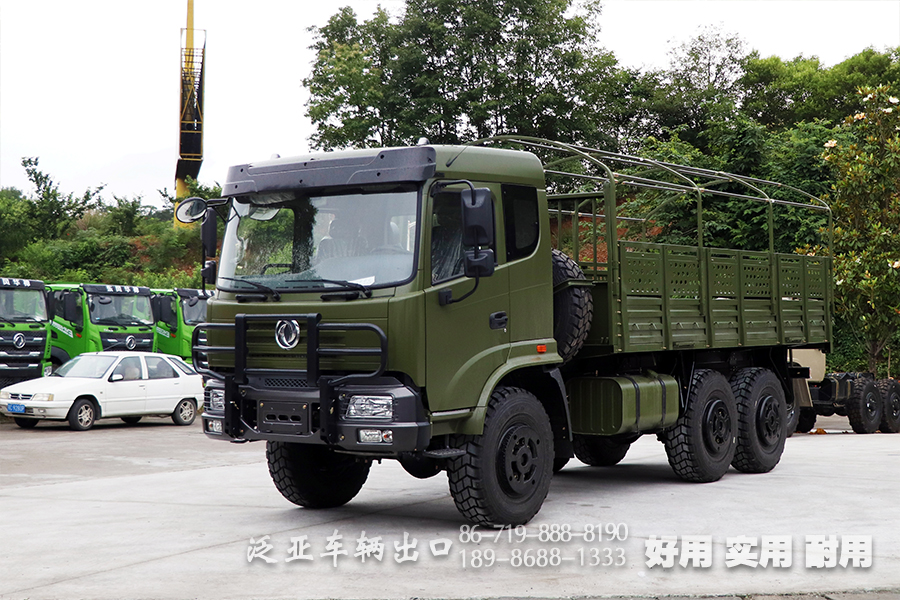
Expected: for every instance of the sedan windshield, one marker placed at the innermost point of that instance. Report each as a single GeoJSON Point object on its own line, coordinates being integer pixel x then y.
{"type": "Point", "coordinates": [117, 309]}
{"type": "Point", "coordinates": [287, 241]}
{"type": "Point", "coordinates": [86, 365]}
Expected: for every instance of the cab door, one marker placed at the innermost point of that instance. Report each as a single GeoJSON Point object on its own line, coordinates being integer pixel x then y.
{"type": "Point", "coordinates": [467, 340]}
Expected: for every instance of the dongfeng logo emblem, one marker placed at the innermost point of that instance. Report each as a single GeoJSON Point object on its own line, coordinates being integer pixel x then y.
{"type": "Point", "coordinates": [130, 342]}
{"type": "Point", "coordinates": [287, 334]}
{"type": "Point", "coordinates": [19, 341]}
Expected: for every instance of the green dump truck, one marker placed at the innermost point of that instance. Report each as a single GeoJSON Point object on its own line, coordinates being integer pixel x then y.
{"type": "Point", "coordinates": [177, 312]}
{"type": "Point", "coordinates": [24, 334]}
{"type": "Point", "coordinates": [93, 317]}
{"type": "Point", "coordinates": [492, 312]}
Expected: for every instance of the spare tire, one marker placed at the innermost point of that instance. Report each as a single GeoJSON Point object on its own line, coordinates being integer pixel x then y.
{"type": "Point", "coordinates": [572, 307]}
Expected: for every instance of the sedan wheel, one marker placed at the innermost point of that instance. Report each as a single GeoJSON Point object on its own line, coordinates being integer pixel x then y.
{"type": "Point", "coordinates": [185, 412]}
{"type": "Point", "coordinates": [82, 415]}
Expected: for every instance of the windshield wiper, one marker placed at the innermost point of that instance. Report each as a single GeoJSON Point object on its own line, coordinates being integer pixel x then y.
{"type": "Point", "coordinates": [275, 295]}
{"type": "Point", "coordinates": [366, 292]}
{"type": "Point", "coordinates": [2, 318]}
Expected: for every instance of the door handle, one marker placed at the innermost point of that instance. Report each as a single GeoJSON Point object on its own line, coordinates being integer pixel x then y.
{"type": "Point", "coordinates": [499, 320]}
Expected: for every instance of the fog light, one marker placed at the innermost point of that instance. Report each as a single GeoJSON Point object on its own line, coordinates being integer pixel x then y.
{"type": "Point", "coordinates": [369, 436]}
{"type": "Point", "coordinates": [387, 436]}
{"type": "Point", "coordinates": [370, 407]}
{"type": "Point", "coordinates": [214, 426]}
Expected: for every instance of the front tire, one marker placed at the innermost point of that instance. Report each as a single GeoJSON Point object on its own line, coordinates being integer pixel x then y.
{"type": "Point", "coordinates": [82, 415]}
{"type": "Point", "coordinates": [505, 474]}
{"type": "Point", "coordinates": [599, 451]}
{"type": "Point", "coordinates": [315, 476]}
{"type": "Point", "coordinates": [25, 423]}
{"type": "Point", "coordinates": [131, 420]}
{"type": "Point", "coordinates": [864, 406]}
{"type": "Point", "coordinates": [761, 420]}
{"type": "Point", "coordinates": [185, 412]}
{"type": "Point", "coordinates": [700, 447]}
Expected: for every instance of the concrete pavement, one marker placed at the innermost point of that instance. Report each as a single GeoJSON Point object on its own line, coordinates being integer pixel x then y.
{"type": "Point", "coordinates": [158, 511]}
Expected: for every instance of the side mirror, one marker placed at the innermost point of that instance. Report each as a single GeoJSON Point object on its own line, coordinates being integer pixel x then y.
{"type": "Point", "coordinates": [167, 312]}
{"type": "Point", "coordinates": [49, 300]}
{"type": "Point", "coordinates": [116, 377]}
{"type": "Point", "coordinates": [477, 217]}
{"type": "Point", "coordinates": [208, 233]}
{"type": "Point", "coordinates": [208, 272]}
{"type": "Point", "coordinates": [71, 311]}
{"type": "Point", "coordinates": [191, 210]}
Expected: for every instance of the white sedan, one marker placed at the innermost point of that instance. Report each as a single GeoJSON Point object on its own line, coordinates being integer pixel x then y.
{"type": "Point", "coordinates": [96, 385]}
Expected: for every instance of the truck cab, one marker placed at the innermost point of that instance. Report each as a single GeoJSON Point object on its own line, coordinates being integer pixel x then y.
{"type": "Point", "coordinates": [177, 312]}
{"type": "Point", "coordinates": [24, 333]}
{"type": "Point", "coordinates": [95, 317]}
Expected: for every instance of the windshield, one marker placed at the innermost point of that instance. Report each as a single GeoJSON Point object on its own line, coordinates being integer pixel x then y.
{"type": "Point", "coordinates": [86, 365]}
{"type": "Point", "coordinates": [193, 310]}
{"type": "Point", "coordinates": [120, 310]}
{"type": "Point", "coordinates": [291, 242]}
{"type": "Point", "coordinates": [23, 305]}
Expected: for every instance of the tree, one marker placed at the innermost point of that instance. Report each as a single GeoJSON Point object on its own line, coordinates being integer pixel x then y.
{"type": "Point", "coordinates": [779, 93]}
{"type": "Point", "coordinates": [700, 86]}
{"type": "Point", "coordinates": [866, 204]}
{"type": "Point", "coordinates": [455, 71]}
{"type": "Point", "coordinates": [50, 211]}
{"type": "Point", "coordinates": [13, 223]}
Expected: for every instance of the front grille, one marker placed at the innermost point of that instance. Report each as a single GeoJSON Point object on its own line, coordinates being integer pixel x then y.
{"type": "Point", "coordinates": [117, 341]}
{"type": "Point", "coordinates": [35, 344]}
{"type": "Point", "coordinates": [286, 382]}
{"type": "Point", "coordinates": [20, 396]}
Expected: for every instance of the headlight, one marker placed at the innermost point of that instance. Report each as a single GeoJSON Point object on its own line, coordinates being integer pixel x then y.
{"type": "Point", "coordinates": [216, 399]}
{"type": "Point", "coordinates": [4, 395]}
{"type": "Point", "coordinates": [370, 407]}
{"type": "Point", "coordinates": [48, 370]}
{"type": "Point", "coordinates": [42, 397]}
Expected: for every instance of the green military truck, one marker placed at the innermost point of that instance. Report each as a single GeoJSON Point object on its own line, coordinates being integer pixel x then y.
{"type": "Point", "coordinates": [24, 333]}
{"type": "Point", "coordinates": [93, 317]}
{"type": "Point", "coordinates": [491, 312]}
{"type": "Point", "coordinates": [177, 312]}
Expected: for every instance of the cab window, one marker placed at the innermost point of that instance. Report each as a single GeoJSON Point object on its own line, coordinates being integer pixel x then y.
{"type": "Point", "coordinates": [158, 368]}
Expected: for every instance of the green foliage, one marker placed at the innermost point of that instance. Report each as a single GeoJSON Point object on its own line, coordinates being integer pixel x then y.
{"type": "Point", "coordinates": [51, 212]}
{"type": "Point", "coordinates": [454, 71]}
{"type": "Point", "coordinates": [866, 204]}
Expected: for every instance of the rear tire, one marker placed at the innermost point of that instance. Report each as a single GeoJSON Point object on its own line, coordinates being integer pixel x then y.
{"type": "Point", "coordinates": [890, 395]}
{"type": "Point", "coordinates": [700, 447]}
{"type": "Point", "coordinates": [315, 476]}
{"type": "Point", "coordinates": [131, 420]}
{"type": "Point", "coordinates": [807, 420]}
{"type": "Point", "coordinates": [572, 307]}
{"type": "Point", "coordinates": [599, 451]}
{"type": "Point", "coordinates": [82, 415]}
{"type": "Point", "coordinates": [761, 420]}
{"type": "Point", "coordinates": [505, 474]}
{"type": "Point", "coordinates": [25, 423]}
{"type": "Point", "coordinates": [864, 406]}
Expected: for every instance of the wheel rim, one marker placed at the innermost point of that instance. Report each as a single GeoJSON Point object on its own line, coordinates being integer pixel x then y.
{"type": "Point", "coordinates": [871, 405]}
{"type": "Point", "coordinates": [186, 411]}
{"type": "Point", "coordinates": [717, 427]}
{"type": "Point", "coordinates": [85, 415]}
{"type": "Point", "coordinates": [519, 458]}
{"type": "Point", "coordinates": [768, 422]}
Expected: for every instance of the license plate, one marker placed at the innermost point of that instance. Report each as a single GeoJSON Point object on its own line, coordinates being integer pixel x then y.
{"type": "Point", "coordinates": [16, 408]}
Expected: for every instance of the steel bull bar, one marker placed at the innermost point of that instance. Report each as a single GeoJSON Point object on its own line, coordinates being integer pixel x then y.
{"type": "Point", "coordinates": [235, 424]}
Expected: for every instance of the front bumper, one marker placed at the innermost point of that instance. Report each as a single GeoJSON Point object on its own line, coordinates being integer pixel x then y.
{"type": "Point", "coordinates": [317, 416]}
{"type": "Point", "coordinates": [38, 410]}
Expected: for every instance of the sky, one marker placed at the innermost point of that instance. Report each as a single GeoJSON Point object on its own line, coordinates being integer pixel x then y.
{"type": "Point", "coordinates": [91, 87]}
